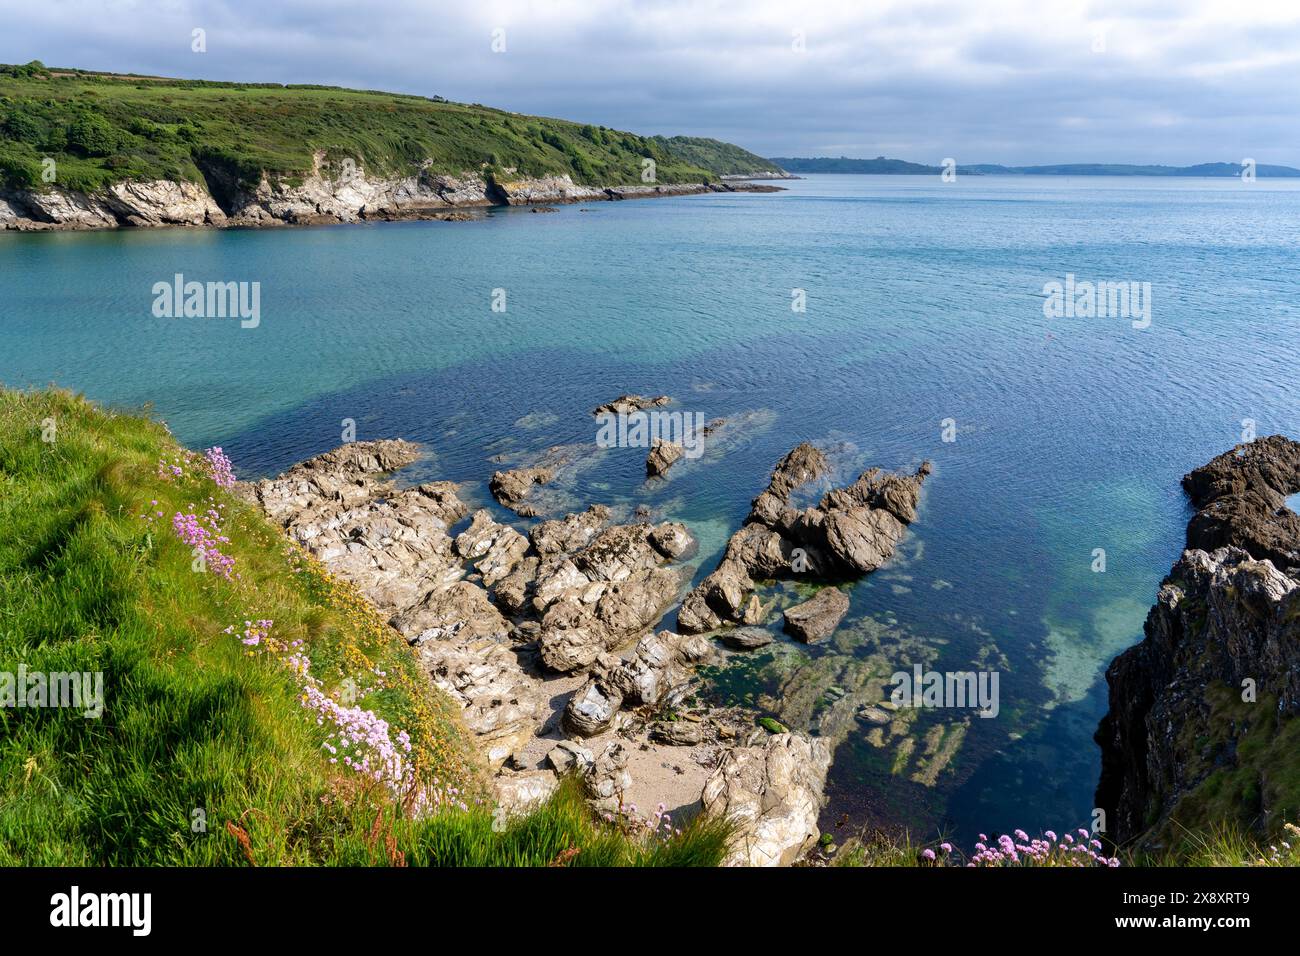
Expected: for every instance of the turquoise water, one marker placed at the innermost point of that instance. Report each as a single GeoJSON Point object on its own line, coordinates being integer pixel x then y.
{"type": "Point", "coordinates": [924, 303]}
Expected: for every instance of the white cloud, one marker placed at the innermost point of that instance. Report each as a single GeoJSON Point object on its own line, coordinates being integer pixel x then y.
{"type": "Point", "coordinates": [995, 81]}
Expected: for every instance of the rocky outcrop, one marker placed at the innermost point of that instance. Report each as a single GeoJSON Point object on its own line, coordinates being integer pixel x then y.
{"type": "Point", "coordinates": [747, 638]}
{"type": "Point", "coordinates": [1240, 499]}
{"type": "Point", "coordinates": [1196, 706]}
{"type": "Point", "coordinates": [594, 599]}
{"type": "Point", "coordinates": [493, 614]}
{"type": "Point", "coordinates": [772, 793]}
{"type": "Point", "coordinates": [852, 531]}
{"type": "Point", "coordinates": [394, 546]}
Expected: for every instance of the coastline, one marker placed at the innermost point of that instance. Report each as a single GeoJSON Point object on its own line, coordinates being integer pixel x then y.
{"type": "Point", "coordinates": [316, 201]}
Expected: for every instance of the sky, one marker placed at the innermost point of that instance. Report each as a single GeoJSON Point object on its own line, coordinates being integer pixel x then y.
{"type": "Point", "coordinates": [1001, 81]}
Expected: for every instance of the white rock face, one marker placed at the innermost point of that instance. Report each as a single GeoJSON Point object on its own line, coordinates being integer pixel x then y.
{"type": "Point", "coordinates": [163, 202]}
{"type": "Point", "coordinates": [773, 793]}
{"type": "Point", "coordinates": [548, 189]}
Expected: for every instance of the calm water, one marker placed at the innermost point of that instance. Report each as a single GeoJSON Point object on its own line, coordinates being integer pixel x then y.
{"type": "Point", "coordinates": [924, 303]}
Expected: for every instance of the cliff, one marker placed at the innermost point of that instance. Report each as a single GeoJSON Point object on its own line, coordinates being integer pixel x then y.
{"type": "Point", "coordinates": [1201, 729]}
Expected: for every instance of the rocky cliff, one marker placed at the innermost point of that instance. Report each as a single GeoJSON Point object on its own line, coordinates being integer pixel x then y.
{"type": "Point", "coordinates": [1201, 727]}
{"type": "Point", "coordinates": [325, 196]}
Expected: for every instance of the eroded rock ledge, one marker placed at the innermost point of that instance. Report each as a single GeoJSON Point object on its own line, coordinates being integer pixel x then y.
{"type": "Point", "coordinates": [546, 634]}
{"type": "Point", "coordinates": [1225, 628]}
{"type": "Point", "coordinates": [326, 195]}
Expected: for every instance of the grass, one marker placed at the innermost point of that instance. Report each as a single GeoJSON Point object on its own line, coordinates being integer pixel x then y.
{"type": "Point", "coordinates": [102, 129]}
{"type": "Point", "coordinates": [204, 754]}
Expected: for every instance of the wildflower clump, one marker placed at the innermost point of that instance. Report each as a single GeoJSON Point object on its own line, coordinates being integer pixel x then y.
{"type": "Point", "coordinates": [1019, 849]}
{"type": "Point", "coordinates": [220, 468]}
{"type": "Point", "coordinates": [202, 533]}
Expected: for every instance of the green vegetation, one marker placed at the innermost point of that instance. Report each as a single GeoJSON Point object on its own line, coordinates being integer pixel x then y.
{"type": "Point", "coordinates": [94, 579]}
{"type": "Point", "coordinates": [844, 164]}
{"type": "Point", "coordinates": [1249, 755]}
{"type": "Point", "coordinates": [724, 159]}
{"type": "Point", "coordinates": [105, 128]}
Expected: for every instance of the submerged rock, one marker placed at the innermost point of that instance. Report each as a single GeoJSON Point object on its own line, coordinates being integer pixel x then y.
{"type": "Point", "coordinates": [747, 638]}
{"type": "Point", "coordinates": [816, 619]}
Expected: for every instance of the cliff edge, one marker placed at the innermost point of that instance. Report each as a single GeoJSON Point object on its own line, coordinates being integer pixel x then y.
{"type": "Point", "coordinates": [1201, 729]}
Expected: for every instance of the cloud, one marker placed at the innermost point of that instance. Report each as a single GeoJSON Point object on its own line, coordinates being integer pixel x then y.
{"type": "Point", "coordinates": [998, 81]}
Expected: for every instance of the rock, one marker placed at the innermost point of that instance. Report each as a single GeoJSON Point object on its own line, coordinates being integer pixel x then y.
{"type": "Point", "coordinates": [520, 793]}
{"type": "Point", "coordinates": [570, 757]}
{"type": "Point", "coordinates": [627, 404]}
{"type": "Point", "coordinates": [608, 779]}
{"type": "Point", "coordinates": [719, 598]}
{"type": "Point", "coordinates": [600, 596]}
{"type": "Point", "coordinates": [327, 193]}
{"type": "Point", "coordinates": [1240, 499]}
{"type": "Point", "coordinates": [874, 715]}
{"type": "Point", "coordinates": [863, 538]}
{"type": "Point", "coordinates": [511, 488]}
{"type": "Point", "coordinates": [495, 548]}
{"type": "Point", "coordinates": [663, 455]}
{"type": "Point", "coordinates": [462, 609]}
{"type": "Point", "coordinates": [592, 708]}
{"type": "Point", "coordinates": [394, 546]}
{"type": "Point", "coordinates": [816, 619]}
{"type": "Point", "coordinates": [677, 733]}
{"type": "Point", "coordinates": [514, 591]}
{"type": "Point", "coordinates": [852, 531]}
{"type": "Point", "coordinates": [1226, 623]}
{"type": "Point", "coordinates": [545, 189]}
{"type": "Point", "coordinates": [673, 540]}
{"type": "Point", "coordinates": [501, 703]}
{"type": "Point", "coordinates": [754, 612]}
{"type": "Point", "coordinates": [773, 794]}
{"type": "Point", "coordinates": [803, 464]}
{"type": "Point", "coordinates": [747, 638]}
{"type": "Point", "coordinates": [660, 664]}
{"type": "Point", "coordinates": [570, 533]}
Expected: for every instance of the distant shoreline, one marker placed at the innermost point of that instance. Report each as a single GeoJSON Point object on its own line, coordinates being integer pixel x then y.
{"type": "Point", "coordinates": [899, 167]}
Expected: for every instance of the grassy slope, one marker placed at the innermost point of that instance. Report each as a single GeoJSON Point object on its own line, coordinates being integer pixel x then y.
{"type": "Point", "coordinates": [102, 129]}
{"type": "Point", "coordinates": [725, 159]}
{"type": "Point", "coordinates": [192, 719]}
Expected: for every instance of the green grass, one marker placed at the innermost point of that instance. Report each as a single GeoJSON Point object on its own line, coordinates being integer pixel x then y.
{"type": "Point", "coordinates": [193, 720]}
{"type": "Point", "coordinates": [101, 129]}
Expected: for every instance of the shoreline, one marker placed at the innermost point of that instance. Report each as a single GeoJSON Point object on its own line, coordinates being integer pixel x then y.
{"type": "Point", "coordinates": [317, 202]}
